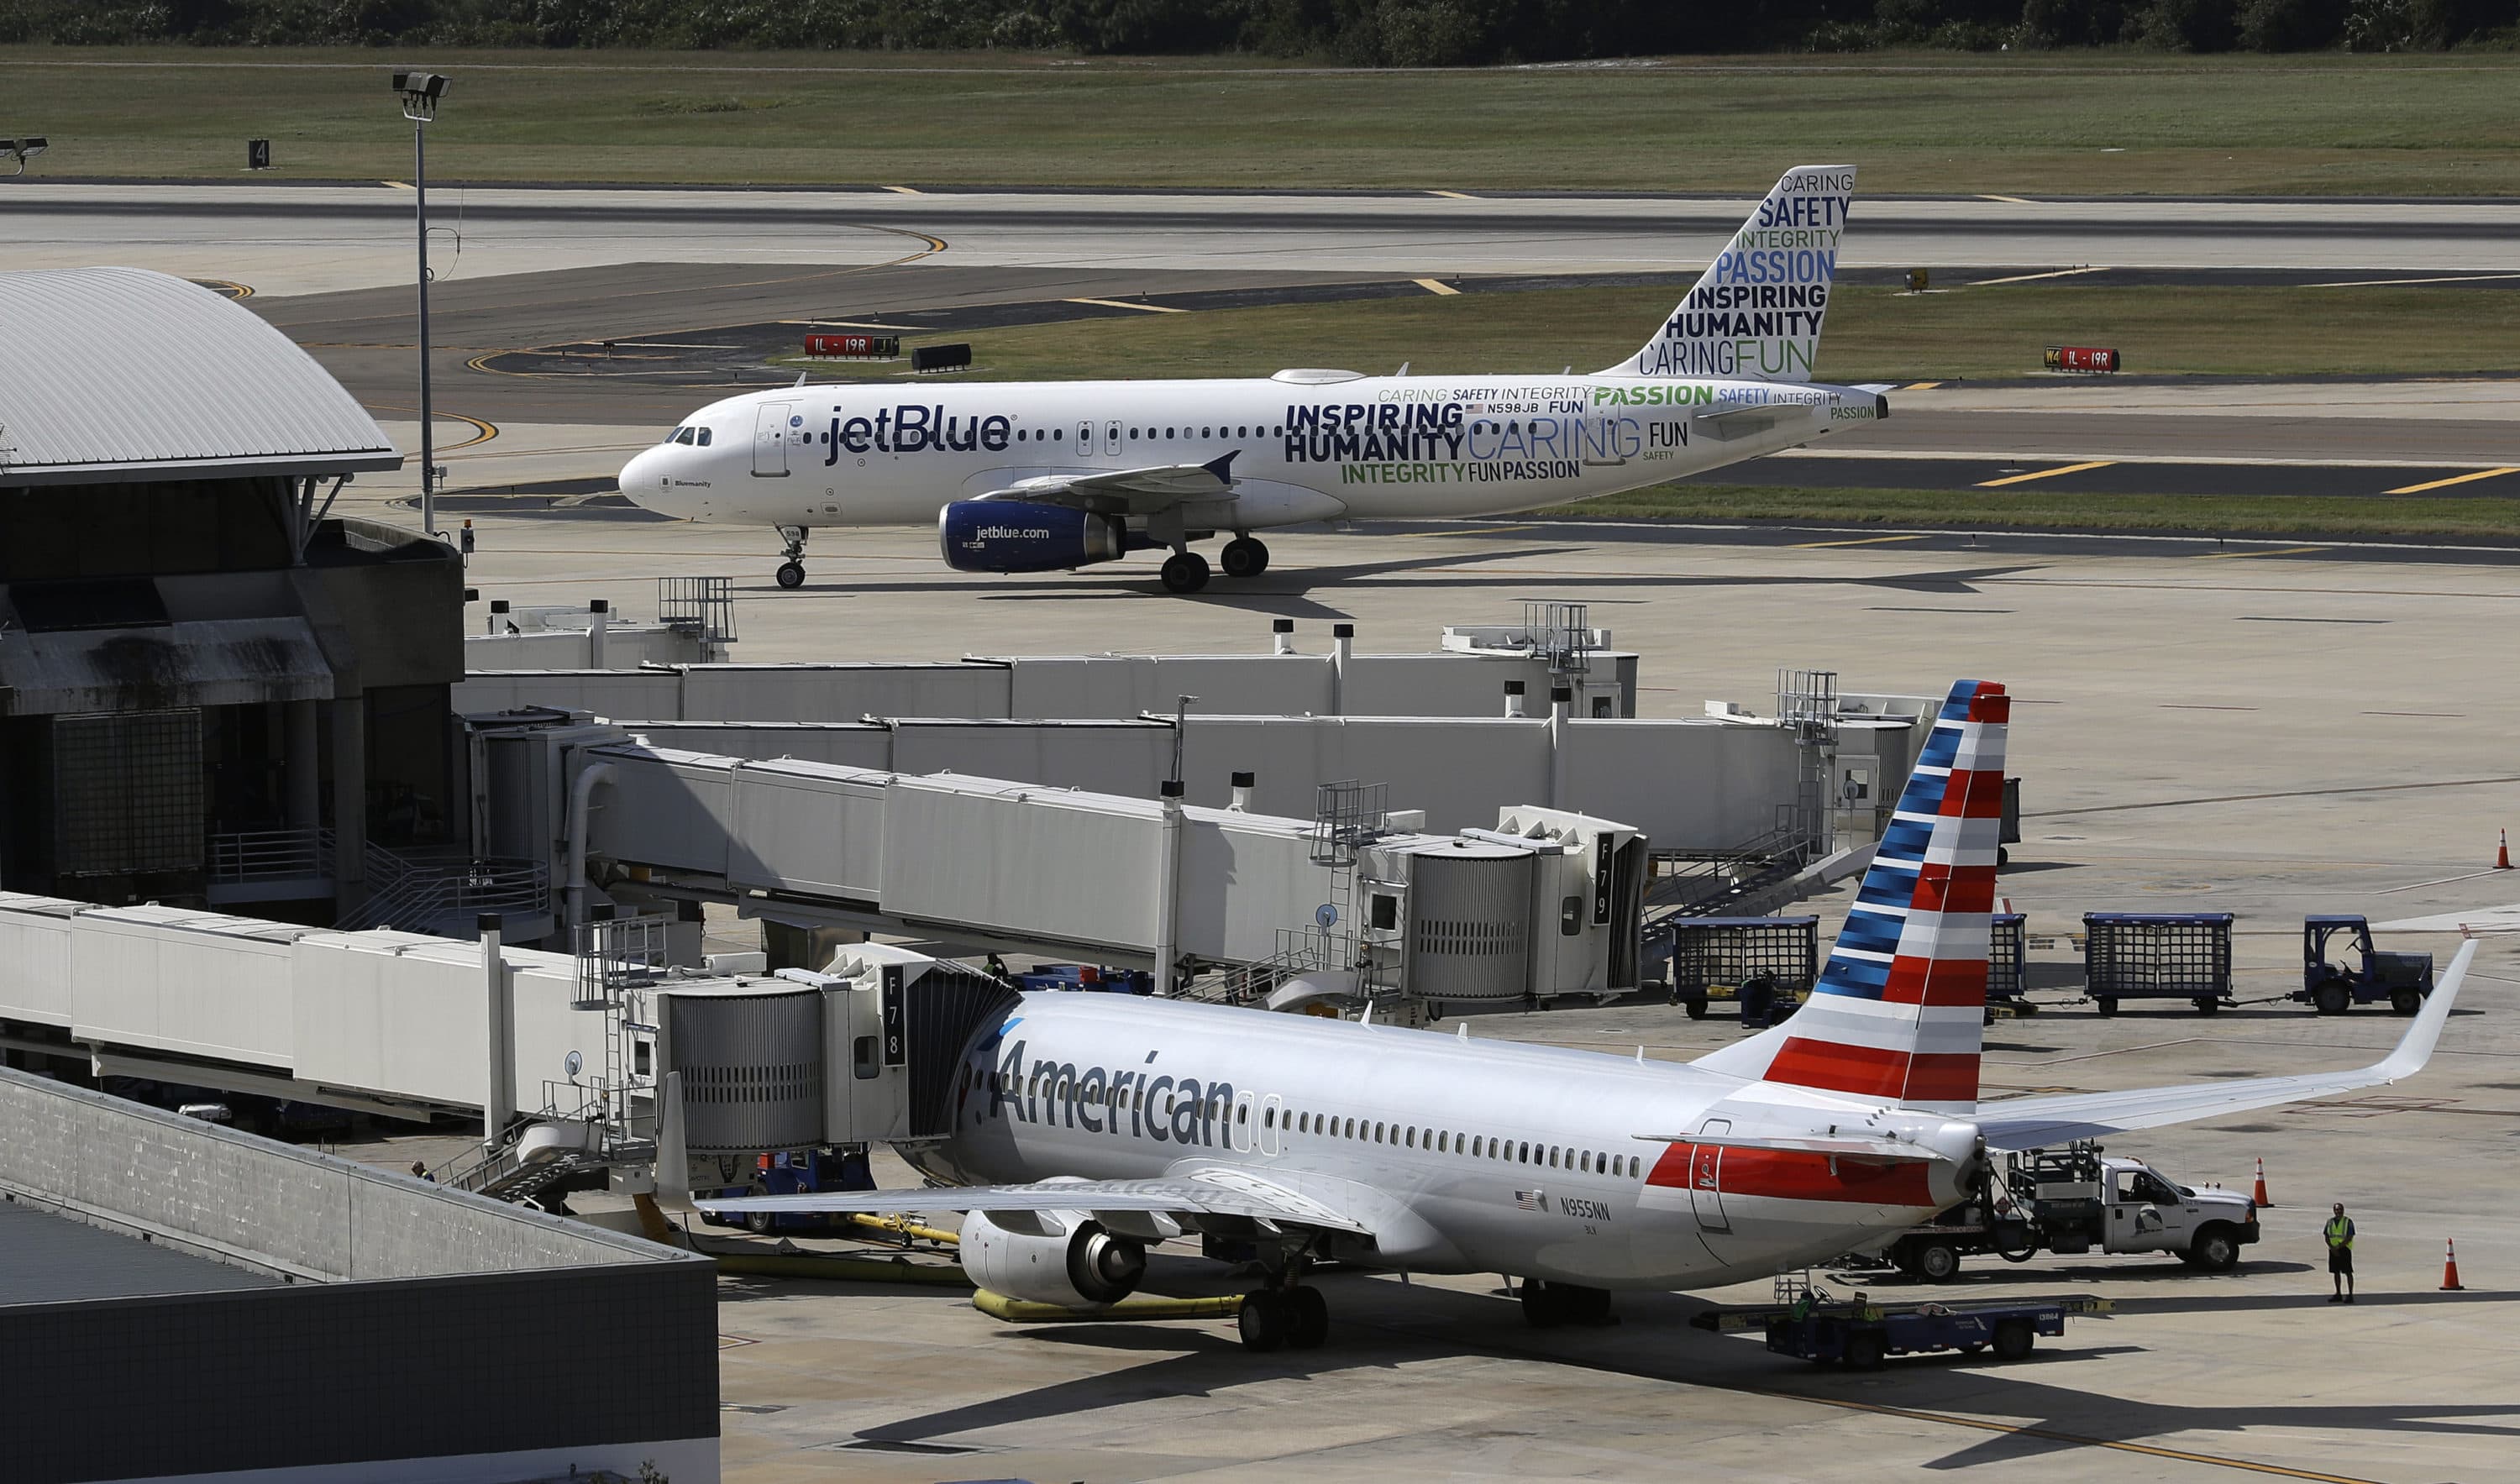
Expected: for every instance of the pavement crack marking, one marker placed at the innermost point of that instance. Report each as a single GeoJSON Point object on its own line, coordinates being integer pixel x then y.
{"type": "Point", "coordinates": [2045, 473]}
{"type": "Point", "coordinates": [2482, 474]}
{"type": "Point", "coordinates": [2249, 798]}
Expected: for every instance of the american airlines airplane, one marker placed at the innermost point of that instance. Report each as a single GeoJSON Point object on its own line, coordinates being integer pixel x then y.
{"type": "Point", "coordinates": [1054, 476]}
{"type": "Point", "coordinates": [1092, 1126]}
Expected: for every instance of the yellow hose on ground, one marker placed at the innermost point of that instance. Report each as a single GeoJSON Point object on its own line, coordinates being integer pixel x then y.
{"type": "Point", "coordinates": [903, 1226]}
{"type": "Point", "coordinates": [1019, 1311]}
{"type": "Point", "coordinates": [840, 1269]}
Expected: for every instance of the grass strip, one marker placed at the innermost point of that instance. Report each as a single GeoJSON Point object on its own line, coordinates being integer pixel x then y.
{"type": "Point", "coordinates": [2022, 123]}
{"type": "Point", "coordinates": [1874, 334]}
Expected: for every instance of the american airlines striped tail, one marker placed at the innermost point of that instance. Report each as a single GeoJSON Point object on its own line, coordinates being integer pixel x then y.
{"type": "Point", "coordinates": [1899, 1009]}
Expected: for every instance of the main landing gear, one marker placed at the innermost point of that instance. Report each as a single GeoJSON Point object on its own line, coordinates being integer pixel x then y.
{"type": "Point", "coordinates": [791, 572]}
{"type": "Point", "coordinates": [1287, 1315]}
{"type": "Point", "coordinates": [1187, 571]}
{"type": "Point", "coordinates": [1548, 1305]}
{"type": "Point", "coordinates": [1243, 557]}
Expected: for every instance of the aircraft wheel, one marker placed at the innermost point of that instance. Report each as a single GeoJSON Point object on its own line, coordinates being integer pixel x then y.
{"type": "Point", "coordinates": [1308, 1317]}
{"type": "Point", "coordinates": [1185, 572]}
{"type": "Point", "coordinates": [1262, 1322]}
{"type": "Point", "coordinates": [1243, 557]}
{"type": "Point", "coordinates": [1580, 1305]}
{"type": "Point", "coordinates": [791, 575]}
{"type": "Point", "coordinates": [1540, 1307]}
{"type": "Point", "coordinates": [1866, 1350]}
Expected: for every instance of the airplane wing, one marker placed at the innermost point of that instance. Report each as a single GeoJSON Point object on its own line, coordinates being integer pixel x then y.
{"type": "Point", "coordinates": [1127, 491]}
{"type": "Point", "coordinates": [2030, 1122]}
{"type": "Point", "coordinates": [1202, 1192]}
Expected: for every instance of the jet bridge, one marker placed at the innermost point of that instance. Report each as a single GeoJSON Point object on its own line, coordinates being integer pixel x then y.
{"type": "Point", "coordinates": [989, 862]}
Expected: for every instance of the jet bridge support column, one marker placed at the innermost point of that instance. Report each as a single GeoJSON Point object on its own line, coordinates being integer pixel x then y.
{"type": "Point", "coordinates": [1168, 889]}
{"type": "Point", "coordinates": [499, 1092]}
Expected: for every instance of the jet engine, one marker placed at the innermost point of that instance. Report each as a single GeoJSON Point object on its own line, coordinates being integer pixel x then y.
{"type": "Point", "coordinates": [1024, 536]}
{"type": "Point", "coordinates": [1052, 1257]}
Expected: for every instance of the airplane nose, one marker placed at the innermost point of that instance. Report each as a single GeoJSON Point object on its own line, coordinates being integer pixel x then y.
{"type": "Point", "coordinates": [643, 478]}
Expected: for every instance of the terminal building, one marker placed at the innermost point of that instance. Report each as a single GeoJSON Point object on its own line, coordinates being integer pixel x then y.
{"type": "Point", "coordinates": [211, 689]}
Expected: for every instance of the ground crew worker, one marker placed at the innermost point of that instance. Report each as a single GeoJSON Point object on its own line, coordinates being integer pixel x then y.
{"type": "Point", "coordinates": [2339, 1232]}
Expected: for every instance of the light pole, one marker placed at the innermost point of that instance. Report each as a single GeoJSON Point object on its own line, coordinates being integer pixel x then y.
{"type": "Point", "coordinates": [420, 94]}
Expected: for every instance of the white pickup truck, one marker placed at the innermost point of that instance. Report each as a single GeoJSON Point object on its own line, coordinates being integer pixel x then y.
{"type": "Point", "coordinates": [2073, 1200]}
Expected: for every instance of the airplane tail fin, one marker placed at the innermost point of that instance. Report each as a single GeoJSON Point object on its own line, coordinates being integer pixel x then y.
{"type": "Point", "coordinates": [1898, 1011]}
{"type": "Point", "coordinates": [1756, 313]}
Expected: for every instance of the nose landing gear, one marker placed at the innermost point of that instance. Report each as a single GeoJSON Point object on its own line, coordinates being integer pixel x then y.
{"type": "Point", "coordinates": [791, 572]}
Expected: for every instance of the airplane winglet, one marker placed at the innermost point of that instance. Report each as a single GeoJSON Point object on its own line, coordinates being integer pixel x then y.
{"type": "Point", "coordinates": [2415, 1047]}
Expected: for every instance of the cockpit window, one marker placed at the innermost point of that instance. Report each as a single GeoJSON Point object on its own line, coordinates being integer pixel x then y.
{"type": "Point", "coordinates": [705, 436]}
{"type": "Point", "coordinates": [683, 436]}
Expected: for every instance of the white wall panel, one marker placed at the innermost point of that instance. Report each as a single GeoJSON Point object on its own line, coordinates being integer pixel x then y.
{"type": "Point", "coordinates": [1022, 858]}
{"type": "Point", "coordinates": [34, 959]}
{"type": "Point", "coordinates": [1100, 757]}
{"type": "Point", "coordinates": [139, 976]}
{"type": "Point", "coordinates": [842, 692]}
{"type": "Point", "coordinates": [809, 827]}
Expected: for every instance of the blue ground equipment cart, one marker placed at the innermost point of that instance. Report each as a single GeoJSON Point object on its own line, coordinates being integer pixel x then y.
{"type": "Point", "coordinates": [799, 1172]}
{"type": "Point", "coordinates": [1861, 1333]}
{"type": "Point", "coordinates": [1116, 981]}
{"type": "Point", "coordinates": [2157, 956]}
{"type": "Point", "coordinates": [2333, 985]}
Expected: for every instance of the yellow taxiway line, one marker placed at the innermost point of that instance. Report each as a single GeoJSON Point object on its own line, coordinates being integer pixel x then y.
{"type": "Point", "coordinates": [2045, 474]}
{"type": "Point", "coordinates": [2482, 474]}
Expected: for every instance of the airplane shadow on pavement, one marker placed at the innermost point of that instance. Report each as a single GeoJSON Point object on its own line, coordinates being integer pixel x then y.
{"type": "Point", "coordinates": [2017, 1411]}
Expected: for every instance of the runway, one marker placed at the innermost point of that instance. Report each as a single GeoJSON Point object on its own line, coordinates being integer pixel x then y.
{"type": "Point", "coordinates": [694, 289]}
{"type": "Point", "coordinates": [314, 239]}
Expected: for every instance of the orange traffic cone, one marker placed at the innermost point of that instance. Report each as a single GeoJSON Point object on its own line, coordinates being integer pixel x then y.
{"type": "Point", "coordinates": [2502, 855]}
{"type": "Point", "coordinates": [2449, 1268]}
{"type": "Point", "coordinates": [2259, 1196]}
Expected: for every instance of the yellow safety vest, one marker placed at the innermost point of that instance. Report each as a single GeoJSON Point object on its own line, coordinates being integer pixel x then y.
{"type": "Point", "coordinates": [2340, 1232]}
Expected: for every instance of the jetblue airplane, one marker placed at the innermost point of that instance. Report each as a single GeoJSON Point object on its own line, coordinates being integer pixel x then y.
{"type": "Point", "coordinates": [1090, 1126]}
{"type": "Point", "coordinates": [1053, 475]}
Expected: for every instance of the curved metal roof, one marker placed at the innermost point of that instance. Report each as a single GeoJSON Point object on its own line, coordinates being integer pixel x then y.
{"type": "Point", "coordinates": [121, 373]}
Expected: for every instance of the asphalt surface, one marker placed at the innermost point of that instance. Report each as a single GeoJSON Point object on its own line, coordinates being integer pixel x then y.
{"type": "Point", "coordinates": [309, 239]}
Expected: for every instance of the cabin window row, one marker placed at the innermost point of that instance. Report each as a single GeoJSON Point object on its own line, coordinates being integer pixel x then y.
{"type": "Point", "coordinates": [1449, 1141]}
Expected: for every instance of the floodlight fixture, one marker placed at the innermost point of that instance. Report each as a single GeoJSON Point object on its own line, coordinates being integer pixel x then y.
{"type": "Point", "coordinates": [18, 151]}
{"type": "Point", "coordinates": [420, 94]}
